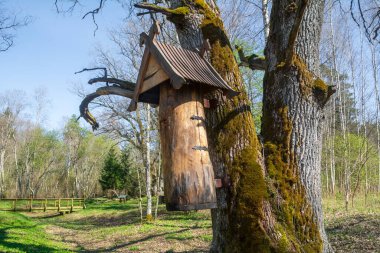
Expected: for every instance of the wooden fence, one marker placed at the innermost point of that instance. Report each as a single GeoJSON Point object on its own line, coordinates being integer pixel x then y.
{"type": "Point", "coordinates": [42, 204]}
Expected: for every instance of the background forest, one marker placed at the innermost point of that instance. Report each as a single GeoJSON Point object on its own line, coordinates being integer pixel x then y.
{"type": "Point", "coordinates": [73, 161]}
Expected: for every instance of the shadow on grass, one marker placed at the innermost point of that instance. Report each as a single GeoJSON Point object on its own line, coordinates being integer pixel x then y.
{"type": "Point", "coordinates": [113, 206]}
{"type": "Point", "coordinates": [98, 221]}
{"type": "Point", "coordinates": [149, 237]}
{"type": "Point", "coordinates": [192, 226]}
{"type": "Point", "coordinates": [47, 216]}
{"type": "Point", "coordinates": [355, 233]}
{"type": "Point", "coordinates": [30, 248]}
{"type": "Point", "coordinates": [179, 216]}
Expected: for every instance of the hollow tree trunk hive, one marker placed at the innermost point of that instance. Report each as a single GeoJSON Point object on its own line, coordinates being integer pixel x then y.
{"type": "Point", "coordinates": [177, 79]}
{"type": "Point", "coordinates": [188, 172]}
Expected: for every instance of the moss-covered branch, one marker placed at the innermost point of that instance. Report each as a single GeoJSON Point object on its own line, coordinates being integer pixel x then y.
{"type": "Point", "coordinates": [254, 61]}
{"type": "Point", "coordinates": [180, 11]}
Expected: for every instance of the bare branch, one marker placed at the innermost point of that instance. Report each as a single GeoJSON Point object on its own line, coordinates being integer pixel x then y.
{"type": "Point", "coordinates": [83, 108]}
{"type": "Point", "coordinates": [91, 69]}
{"type": "Point", "coordinates": [368, 19]}
{"type": "Point", "coordinates": [68, 10]}
{"type": "Point", "coordinates": [94, 12]}
{"type": "Point", "coordinates": [74, 3]}
{"type": "Point", "coordinates": [122, 83]}
{"type": "Point", "coordinates": [9, 23]}
{"type": "Point", "coordinates": [155, 8]}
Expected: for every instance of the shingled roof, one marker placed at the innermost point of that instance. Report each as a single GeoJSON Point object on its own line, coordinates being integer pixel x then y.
{"type": "Point", "coordinates": [179, 65]}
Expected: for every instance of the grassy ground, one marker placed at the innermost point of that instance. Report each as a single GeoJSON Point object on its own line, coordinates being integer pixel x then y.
{"type": "Point", "coordinates": [21, 234]}
{"type": "Point", "coordinates": [356, 230]}
{"type": "Point", "coordinates": [110, 226]}
{"type": "Point", "coordinates": [107, 226]}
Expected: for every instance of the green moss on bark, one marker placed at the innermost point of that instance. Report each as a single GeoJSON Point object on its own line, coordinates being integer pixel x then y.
{"type": "Point", "coordinates": [288, 199]}
{"type": "Point", "coordinates": [240, 152]}
{"type": "Point", "coordinates": [309, 84]}
{"type": "Point", "coordinates": [240, 149]}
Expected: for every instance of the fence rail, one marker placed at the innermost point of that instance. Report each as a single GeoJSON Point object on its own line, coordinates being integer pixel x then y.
{"type": "Point", "coordinates": [42, 204]}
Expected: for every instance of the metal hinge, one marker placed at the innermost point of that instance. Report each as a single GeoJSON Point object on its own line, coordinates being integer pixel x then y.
{"type": "Point", "coordinates": [196, 117]}
{"type": "Point", "coordinates": [200, 148]}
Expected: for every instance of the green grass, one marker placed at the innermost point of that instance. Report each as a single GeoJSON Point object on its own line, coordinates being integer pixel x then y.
{"type": "Point", "coordinates": [107, 226]}
{"type": "Point", "coordinates": [21, 234]}
{"type": "Point", "coordinates": [334, 206]}
{"type": "Point", "coordinates": [111, 226]}
{"type": "Point", "coordinates": [355, 230]}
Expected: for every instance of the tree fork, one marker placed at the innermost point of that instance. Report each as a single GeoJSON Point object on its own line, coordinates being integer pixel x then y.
{"type": "Point", "coordinates": [254, 215]}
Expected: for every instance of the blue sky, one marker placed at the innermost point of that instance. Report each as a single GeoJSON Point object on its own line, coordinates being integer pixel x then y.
{"type": "Point", "coordinates": [48, 51]}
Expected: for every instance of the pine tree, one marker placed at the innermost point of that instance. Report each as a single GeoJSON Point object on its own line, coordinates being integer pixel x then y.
{"type": "Point", "coordinates": [129, 173]}
{"type": "Point", "coordinates": [112, 173]}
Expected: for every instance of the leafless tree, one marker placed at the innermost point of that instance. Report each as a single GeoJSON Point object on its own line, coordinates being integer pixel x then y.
{"type": "Point", "coordinates": [9, 23]}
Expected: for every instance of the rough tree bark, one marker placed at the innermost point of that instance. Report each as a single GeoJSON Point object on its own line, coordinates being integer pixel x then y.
{"type": "Point", "coordinates": [294, 97]}
{"type": "Point", "coordinates": [277, 206]}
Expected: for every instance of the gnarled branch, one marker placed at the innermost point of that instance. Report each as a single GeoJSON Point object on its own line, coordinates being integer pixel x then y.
{"type": "Point", "coordinates": [122, 83]}
{"type": "Point", "coordinates": [83, 108]}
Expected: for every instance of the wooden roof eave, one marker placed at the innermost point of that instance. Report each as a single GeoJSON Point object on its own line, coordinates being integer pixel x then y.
{"type": "Point", "coordinates": [140, 78]}
{"type": "Point", "coordinates": [227, 89]}
{"type": "Point", "coordinates": [176, 79]}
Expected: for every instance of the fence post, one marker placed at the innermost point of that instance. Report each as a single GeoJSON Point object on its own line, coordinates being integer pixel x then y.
{"type": "Point", "coordinates": [14, 205]}
{"type": "Point", "coordinates": [59, 205]}
{"type": "Point", "coordinates": [45, 205]}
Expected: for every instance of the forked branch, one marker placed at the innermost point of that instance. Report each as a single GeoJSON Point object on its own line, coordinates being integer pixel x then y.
{"type": "Point", "coordinates": [122, 83]}
{"type": "Point", "coordinates": [300, 11]}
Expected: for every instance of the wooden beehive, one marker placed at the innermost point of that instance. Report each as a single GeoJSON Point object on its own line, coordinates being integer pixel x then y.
{"type": "Point", "coordinates": [177, 80]}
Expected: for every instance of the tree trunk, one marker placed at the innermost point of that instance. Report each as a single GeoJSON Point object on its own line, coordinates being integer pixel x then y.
{"type": "Point", "coordinates": [140, 195]}
{"type": "Point", "coordinates": [264, 6]}
{"type": "Point", "coordinates": [2, 162]}
{"type": "Point", "coordinates": [147, 168]}
{"type": "Point", "coordinates": [374, 73]}
{"type": "Point", "coordinates": [294, 98]}
{"type": "Point", "coordinates": [274, 207]}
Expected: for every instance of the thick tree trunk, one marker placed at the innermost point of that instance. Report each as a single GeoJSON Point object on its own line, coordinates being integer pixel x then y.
{"type": "Point", "coordinates": [270, 202]}
{"type": "Point", "coordinates": [294, 98]}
